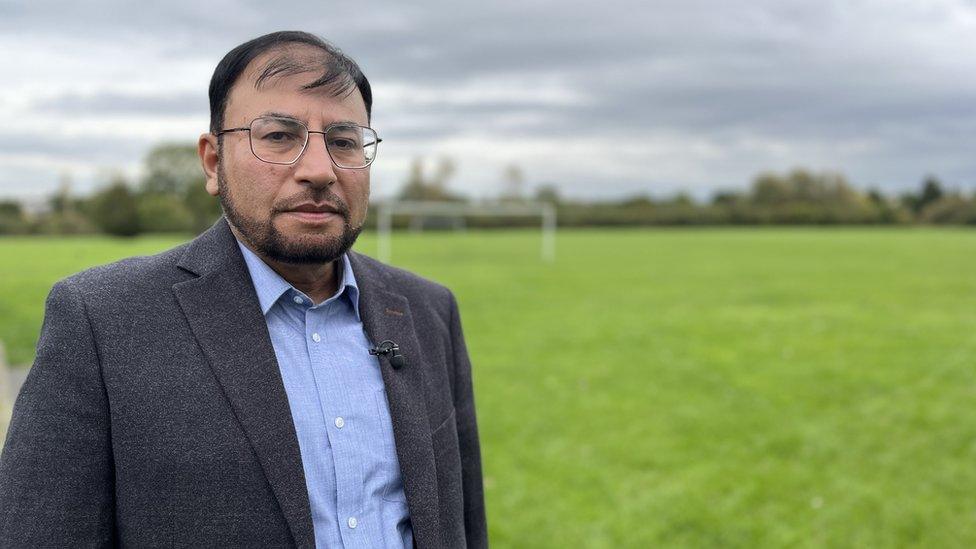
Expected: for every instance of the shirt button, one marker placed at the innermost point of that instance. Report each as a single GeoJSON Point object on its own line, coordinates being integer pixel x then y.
{"type": "Point", "coordinates": [340, 423]}
{"type": "Point", "coordinates": [352, 522]}
{"type": "Point", "coordinates": [298, 299]}
{"type": "Point", "coordinates": [316, 337]}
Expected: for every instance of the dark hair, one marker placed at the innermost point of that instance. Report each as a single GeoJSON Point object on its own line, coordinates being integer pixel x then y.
{"type": "Point", "coordinates": [340, 73]}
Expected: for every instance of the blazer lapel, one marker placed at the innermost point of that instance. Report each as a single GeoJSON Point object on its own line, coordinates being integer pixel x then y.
{"type": "Point", "coordinates": [222, 309]}
{"type": "Point", "coordinates": [386, 316]}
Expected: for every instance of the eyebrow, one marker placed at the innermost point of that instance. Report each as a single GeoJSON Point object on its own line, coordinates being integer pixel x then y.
{"type": "Point", "coordinates": [287, 116]}
{"type": "Point", "coordinates": [279, 115]}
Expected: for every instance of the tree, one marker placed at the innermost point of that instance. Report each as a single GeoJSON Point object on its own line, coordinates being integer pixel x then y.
{"type": "Point", "coordinates": [682, 199]}
{"type": "Point", "coordinates": [834, 189]}
{"type": "Point", "coordinates": [726, 198]}
{"type": "Point", "coordinates": [876, 198]}
{"type": "Point", "coordinates": [888, 211]}
{"type": "Point", "coordinates": [164, 213]}
{"type": "Point", "coordinates": [203, 208]}
{"type": "Point", "coordinates": [950, 209]}
{"type": "Point", "coordinates": [804, 186]}
{"type": "Point", "coordinates": [637, 201]}
{"type": "Point", "coordinates": [770, 189]}
{"type": "Point", "coordinates": [171, 168]}
{"type": "Point", "coordinates": [547, 192]}
{"type": "Point", "coordinates": [174, 187]}
{"type": "Point", "coordinates": [514, 181]}
{"type": "Point", "coordinates": [60, 202]}
{"type": "Point", "coordinates": [115, 209]}
{"type": "Point", "coordinates": [12, 220]}
{"type": "Point", "coordinates": [444, 171]}
{"type": "Point", "coordinates": [419, 186]}
{"type": "Point", "coordinates": [931, 192]}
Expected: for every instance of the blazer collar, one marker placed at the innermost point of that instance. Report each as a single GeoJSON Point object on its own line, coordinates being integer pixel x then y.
{"type": "Point", "coordinates": [386, 315]}
{"type": "Point", "coordinates": [213, 249]}
{"type": "Point", "coordinates": [222, 309]}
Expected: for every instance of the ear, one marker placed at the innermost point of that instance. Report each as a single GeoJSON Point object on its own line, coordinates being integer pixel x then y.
{"type": "Point", "coordinates": [207, 149]}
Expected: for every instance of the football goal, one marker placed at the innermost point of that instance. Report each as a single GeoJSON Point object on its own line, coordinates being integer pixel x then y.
{"type": "Point", "coordinates": [457, 212]}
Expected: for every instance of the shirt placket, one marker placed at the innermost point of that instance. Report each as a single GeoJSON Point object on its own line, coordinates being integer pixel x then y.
{"type": "Point", "coordinates": [341, 429]}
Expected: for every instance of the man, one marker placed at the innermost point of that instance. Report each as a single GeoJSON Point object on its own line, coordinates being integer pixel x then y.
{"type": "Point", "coordinates": [261, 386]}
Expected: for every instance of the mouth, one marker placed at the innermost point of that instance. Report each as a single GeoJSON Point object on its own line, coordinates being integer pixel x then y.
{"type": "Point", "coordinates": [314, 213]}
{"type": "Point", "coordinates": [313, 217]}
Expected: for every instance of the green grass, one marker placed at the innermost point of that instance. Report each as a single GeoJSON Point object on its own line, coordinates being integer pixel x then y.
{"type": "Point", "coordinates": [4, 418]}
{"type": "Point", "coordinates": [690, 388]}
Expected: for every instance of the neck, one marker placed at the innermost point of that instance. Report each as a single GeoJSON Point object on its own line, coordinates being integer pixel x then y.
{"type": "Point", "coordinates": [319, 281]}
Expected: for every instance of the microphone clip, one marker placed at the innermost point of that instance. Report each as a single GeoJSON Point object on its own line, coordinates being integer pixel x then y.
{"type": "Point", "coordinates": [392, 350]}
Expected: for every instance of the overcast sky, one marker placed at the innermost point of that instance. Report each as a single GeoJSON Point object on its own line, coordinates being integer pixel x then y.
{"type": "Point", "coordinates": [603, 99]}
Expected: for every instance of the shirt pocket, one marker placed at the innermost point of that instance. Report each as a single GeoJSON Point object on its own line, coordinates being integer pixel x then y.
{"type": "Point", "coordinates": [388, 465]}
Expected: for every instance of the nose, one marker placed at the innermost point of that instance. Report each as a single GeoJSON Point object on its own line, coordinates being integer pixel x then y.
{"type": "Point", "coordinates": [315, 167]}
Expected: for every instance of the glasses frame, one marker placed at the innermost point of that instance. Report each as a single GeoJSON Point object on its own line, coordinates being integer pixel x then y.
{"type": "Point", "coordinates": [308, 133]}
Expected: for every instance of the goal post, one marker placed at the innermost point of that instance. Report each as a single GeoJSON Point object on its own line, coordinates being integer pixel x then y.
{"type": "Point", "coordinates": [388, 208]}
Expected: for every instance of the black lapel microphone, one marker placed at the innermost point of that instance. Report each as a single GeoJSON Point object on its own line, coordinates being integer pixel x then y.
{"type": "Point", "coordinates": [388, 348]}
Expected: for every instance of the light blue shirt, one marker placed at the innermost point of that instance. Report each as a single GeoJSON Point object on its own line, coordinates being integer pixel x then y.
{"type": "Point", "coordinates": [338, 403]}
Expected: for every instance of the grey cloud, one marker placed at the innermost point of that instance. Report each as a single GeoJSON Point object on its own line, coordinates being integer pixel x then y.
{"type": "Point", "coordinates": [811, 75]}
{"type": "Point", "coordinates": [102, 150]}
{"type": "Point", "coordinates": [112, 103]}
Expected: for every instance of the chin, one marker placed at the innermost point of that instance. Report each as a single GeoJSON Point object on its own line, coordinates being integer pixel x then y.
{"type": "Point", "coordinates": [310, 247]}
{"type": "Point", "coordinates": [305, 253]}
{"type": "Point", "coordinates": [312, 241]}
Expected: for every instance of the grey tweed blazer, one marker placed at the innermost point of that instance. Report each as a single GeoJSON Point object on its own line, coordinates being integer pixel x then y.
{"type": "Point", "coordinates": [155, 415]}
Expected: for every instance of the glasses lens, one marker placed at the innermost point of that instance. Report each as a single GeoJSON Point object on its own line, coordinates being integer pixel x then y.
{"type": "Point", "coordinates": [351, 146]}
{"type": "Point", "coordinates": [278, 140]}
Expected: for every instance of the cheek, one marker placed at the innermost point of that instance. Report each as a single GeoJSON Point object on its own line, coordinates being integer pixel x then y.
{"type": "Point", "coordinates": [354, 190]}
{"type": "Point", "coordinates": [257, 182]}
{"type": "Point", "coordinates": [360, 198]}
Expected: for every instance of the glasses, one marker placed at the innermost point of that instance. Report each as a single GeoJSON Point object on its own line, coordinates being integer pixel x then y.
{"type": "Point", "coordinates": [283, 140]}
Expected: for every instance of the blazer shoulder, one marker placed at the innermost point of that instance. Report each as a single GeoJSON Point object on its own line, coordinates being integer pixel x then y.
{"type": "Point", "coordinates": [130, 275]}
{"type": "Point", "coordinates": [411, 285]}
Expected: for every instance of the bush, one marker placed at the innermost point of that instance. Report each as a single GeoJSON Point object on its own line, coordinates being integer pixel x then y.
{"type": "Point", "coordinates": [164, 213]}
{"type": "Point", "coordinates": [67, 222]}
{"type": "Point", "coordinates": [12, 219]}
{"type": "Point", "coordinates": [950, 209]}
{"type": "Point", "coordinates": [203, 208]}
{"type": "Point", "coordinates": [115, 210]}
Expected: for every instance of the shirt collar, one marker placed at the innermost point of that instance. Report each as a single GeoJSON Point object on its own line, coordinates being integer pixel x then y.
{"type": "Point", "coordinates": [270, 286]}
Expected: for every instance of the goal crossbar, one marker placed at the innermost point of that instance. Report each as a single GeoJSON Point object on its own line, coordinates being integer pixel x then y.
{"type": "Point", "coordinates": [388, 208]}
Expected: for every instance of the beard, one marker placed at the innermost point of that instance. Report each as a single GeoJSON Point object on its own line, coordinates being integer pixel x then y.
{"type": "Point", "coordinates": [268, 241]}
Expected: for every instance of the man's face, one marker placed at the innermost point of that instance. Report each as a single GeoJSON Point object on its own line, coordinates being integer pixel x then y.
{"type": "Point", "coordinates": [277, 209]}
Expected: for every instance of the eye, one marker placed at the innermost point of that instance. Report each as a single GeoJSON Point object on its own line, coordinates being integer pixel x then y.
{"type": "Point", "coordinates": [343, 144]}
{"type": "Point", "coordinates": [279, 137]}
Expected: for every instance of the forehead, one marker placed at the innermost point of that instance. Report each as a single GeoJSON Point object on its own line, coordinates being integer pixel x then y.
{"type": "Point", "coordinates": [277, 81]}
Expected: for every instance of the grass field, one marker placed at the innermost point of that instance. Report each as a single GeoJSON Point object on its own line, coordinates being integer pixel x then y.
{"type": "Point", "coordinates": [689, 388]}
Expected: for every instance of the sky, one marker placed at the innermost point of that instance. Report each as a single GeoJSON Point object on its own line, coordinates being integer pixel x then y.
{"type": "Point", "coordinates": [603, 100]}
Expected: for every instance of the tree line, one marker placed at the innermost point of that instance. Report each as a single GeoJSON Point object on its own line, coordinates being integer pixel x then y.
{"type": "Point", "coordinates": [170, 197]}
